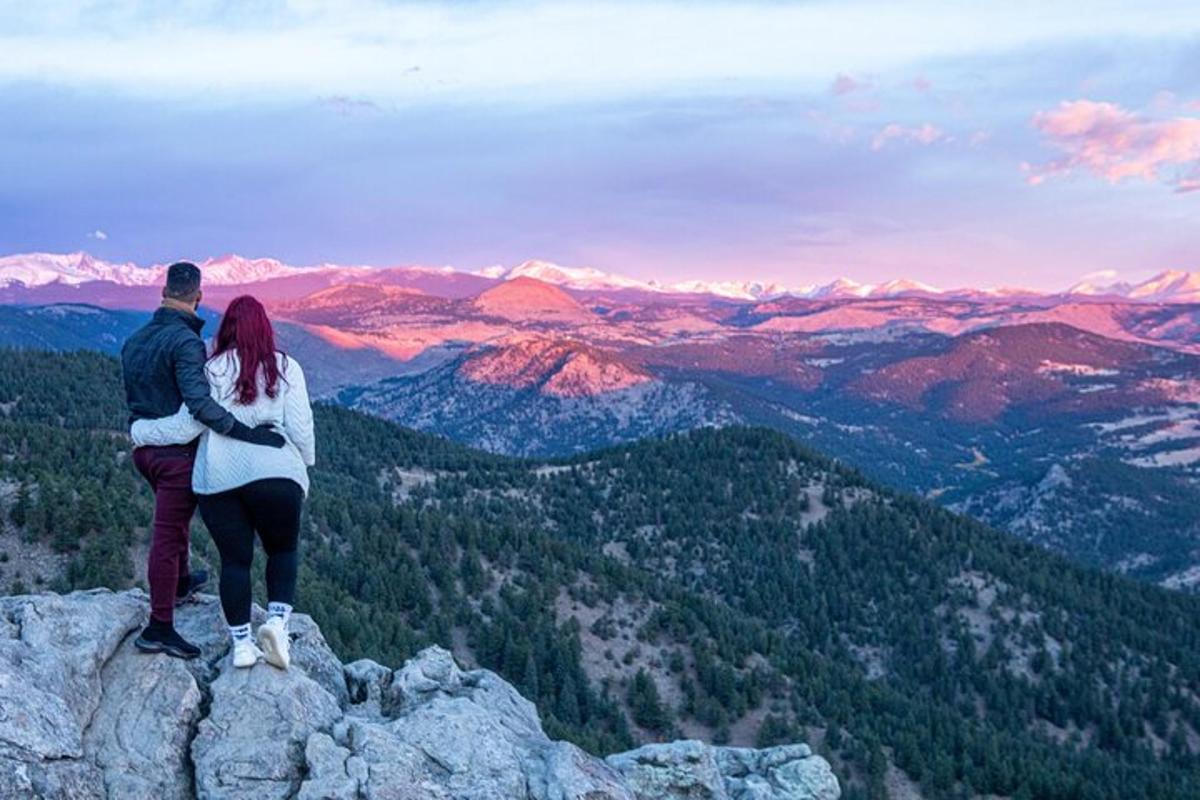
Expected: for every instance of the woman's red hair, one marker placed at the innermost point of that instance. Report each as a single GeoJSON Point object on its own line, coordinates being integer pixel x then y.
{"type": "Point", "coordinates": [246, 329]}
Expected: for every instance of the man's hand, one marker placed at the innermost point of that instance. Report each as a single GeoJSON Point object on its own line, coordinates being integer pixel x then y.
{"type": "Point", "coordinates": [264, 435]}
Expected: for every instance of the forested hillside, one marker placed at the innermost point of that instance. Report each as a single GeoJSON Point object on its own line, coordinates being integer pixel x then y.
{"type": "Point", "coordinates": [727, 584]}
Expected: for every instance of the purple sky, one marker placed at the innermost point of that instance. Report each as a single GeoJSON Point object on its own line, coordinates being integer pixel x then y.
{"type": "Point", "coordinates": [947, 148]}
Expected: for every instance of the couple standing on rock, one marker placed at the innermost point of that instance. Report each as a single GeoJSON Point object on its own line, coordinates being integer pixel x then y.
{"type": "Point", "coordinates": [231, 431]}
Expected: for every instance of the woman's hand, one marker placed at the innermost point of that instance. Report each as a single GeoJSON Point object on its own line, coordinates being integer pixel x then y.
{"type": "Point", "coordinates": [264, 435]}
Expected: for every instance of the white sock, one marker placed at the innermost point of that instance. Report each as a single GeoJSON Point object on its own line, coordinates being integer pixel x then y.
{"type": "Point", "coordinates": [277, 609]}
{"type": "Point", "coordinates": [240, 633]}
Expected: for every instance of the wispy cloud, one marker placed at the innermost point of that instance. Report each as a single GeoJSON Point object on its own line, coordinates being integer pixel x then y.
{"type": "Point", "coordinates": [925, 134]}
{"type": "Point", "coordinates": [979, 137]}
{"type": "Point", "coordinates": [1116, 144]}
{"type": "Point", "coordinates": [98, 235]}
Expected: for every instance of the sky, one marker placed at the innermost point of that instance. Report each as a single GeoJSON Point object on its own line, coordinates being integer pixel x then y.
{"type": "Point", "coordinates": [982, 143]}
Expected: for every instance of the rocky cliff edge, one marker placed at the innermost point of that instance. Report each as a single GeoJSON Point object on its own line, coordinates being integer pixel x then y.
{"type": "Point", "coordinates": [84, 715]}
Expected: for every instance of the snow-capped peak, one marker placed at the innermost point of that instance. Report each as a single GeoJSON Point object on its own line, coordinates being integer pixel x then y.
{"type": "Point", "coordinates": [841, 287]}
{"type": "Point", "coordinates": [901, 286]}
{"type": "Point", "coordinates": [1173, 285]}
{"type": "Point", "coordinates": [1169, 286]}
{"type": "Point", "coordinates": [586, 278]}
{"type": "Point", "coordinates": [234, 269]}
{"type": "Point", "coordinates": [73, 269]}
{"type": "Point", "coordinates": [735, 290]}
{"type": "Point", "coordinates": [494, 271]}
{"type": "Point", "coordinates": [40, 269]}
{"type": "Point", "coordinates": [1095, 288]}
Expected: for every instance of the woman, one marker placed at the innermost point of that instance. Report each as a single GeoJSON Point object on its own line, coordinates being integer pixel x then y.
{"type": "Point", "coordinates": [245, 490]}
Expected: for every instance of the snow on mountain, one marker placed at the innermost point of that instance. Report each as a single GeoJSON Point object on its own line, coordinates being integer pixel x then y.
{"type": "Point", "coordinates": [40, 269]}
{"type": "Point", "coordinates": [583, 278]}
{"type": "Point", "coordinates": [33, 270]}
{"type": "Point", "coordinates": [735, 290]}
{"type": "Point", "coordinates": [495, 272]}
{"type": "Point", "coordinates": [1095, 289]}
{"type": "Point", "coordinates": [73, 269]}
{"type": "Point", "coordinates": [591, 279]}
{"type": "Point", "coordinates": [841, 287]}
{"type": "Point", "coordinates": [899, 286]}
{"type": "Point", "coordinates": [231, 269]}
{"type": "Point", "coordinates": [1169, 286]}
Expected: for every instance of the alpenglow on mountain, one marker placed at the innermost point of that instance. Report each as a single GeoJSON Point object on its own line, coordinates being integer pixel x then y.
{"type": "Point", "coordinates": [40, 269]}
{"type": "Point", "coordinates": [1072, 420]}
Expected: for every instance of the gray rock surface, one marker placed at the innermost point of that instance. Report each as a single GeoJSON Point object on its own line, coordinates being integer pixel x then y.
{"type": "Point", "coordinates": [84, 715]}
{"type": "Point", "coordinates": [51, 658]}
{"type": "Point", "coordinates": [696, 771]}
{"type": "Point", "coordinates": [141, 732]}
{"type": "Point", "coordinates": [250, 744]}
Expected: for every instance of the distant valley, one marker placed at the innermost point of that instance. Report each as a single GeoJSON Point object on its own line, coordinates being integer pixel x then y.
{"type": "Point", "coordinates": [1070, 419]}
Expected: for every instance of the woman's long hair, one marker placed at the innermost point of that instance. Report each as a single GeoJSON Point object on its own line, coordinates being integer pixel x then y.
{"type": "Point", "coordinates": [247, 330]}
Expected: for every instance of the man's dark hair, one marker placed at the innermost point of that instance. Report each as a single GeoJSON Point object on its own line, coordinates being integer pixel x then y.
{"type": "Point", "coordinates": [183, 281]}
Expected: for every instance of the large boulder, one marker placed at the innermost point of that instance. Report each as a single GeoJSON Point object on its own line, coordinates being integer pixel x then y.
{"type": "Point", "coordinates": [445, 732]}
{"type": "Point", "coordinates": [787, 772]}
{"type": "Point", "coordinates": [84, 715]}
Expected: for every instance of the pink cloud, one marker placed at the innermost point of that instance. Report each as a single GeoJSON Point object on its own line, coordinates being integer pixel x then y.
{"type": "Point", "coordinates": [925, 134]}
{"type": "Point", "coordinates": [1116, 144]}
{"type": "Point", "coordinates": [922, 84]}
{"type": "Point", "coordinates": [848, 84]}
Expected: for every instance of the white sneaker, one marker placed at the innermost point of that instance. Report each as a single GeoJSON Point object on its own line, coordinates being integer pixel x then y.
{"type": "Point", "coordinates": [273, 639]}
{"type": "Point", "coordinates": [245, 653]}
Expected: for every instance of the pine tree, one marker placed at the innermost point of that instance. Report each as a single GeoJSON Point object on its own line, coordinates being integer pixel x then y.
{"type": "Point", "coordinates": [645, 705]}
{"type": "Point", "coordinates": [20, 510]}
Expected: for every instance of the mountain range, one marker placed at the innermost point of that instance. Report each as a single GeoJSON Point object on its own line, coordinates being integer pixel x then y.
{"type": "Point", "coordinates": [32, 270]}
{"type": "Point", "coordinates": [1072, 420]}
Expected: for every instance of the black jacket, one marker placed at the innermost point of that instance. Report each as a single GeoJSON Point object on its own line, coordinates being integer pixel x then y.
{"type": "Point", "coordinates": [163, 364]}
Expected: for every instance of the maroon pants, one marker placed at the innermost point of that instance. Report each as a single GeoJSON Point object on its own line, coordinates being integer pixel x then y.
{"type": "Point", "coordinates": [169, 473]}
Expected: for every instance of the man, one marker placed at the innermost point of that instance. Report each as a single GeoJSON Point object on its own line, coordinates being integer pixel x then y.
{"type": "Point", "coordinates": [163, 365]}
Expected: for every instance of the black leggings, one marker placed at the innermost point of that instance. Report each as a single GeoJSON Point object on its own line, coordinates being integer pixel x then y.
{"type": "Point", "coordinates": [270, 507]}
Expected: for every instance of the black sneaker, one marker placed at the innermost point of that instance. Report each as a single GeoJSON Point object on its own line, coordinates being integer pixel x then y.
{"type": "Point", "coordinates": [187, 589]}
{"type": "Point", "coordinates": [160, 638]}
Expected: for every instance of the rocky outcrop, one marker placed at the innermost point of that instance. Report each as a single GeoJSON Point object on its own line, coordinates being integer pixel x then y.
{"type": "Point", "coordinates": [83, 715]}
{"type": "Point", "coordinates": [693, 769]}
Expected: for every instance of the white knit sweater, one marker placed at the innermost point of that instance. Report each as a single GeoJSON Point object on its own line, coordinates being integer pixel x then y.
{"type": "Point", "coordinates": [223, 463]}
